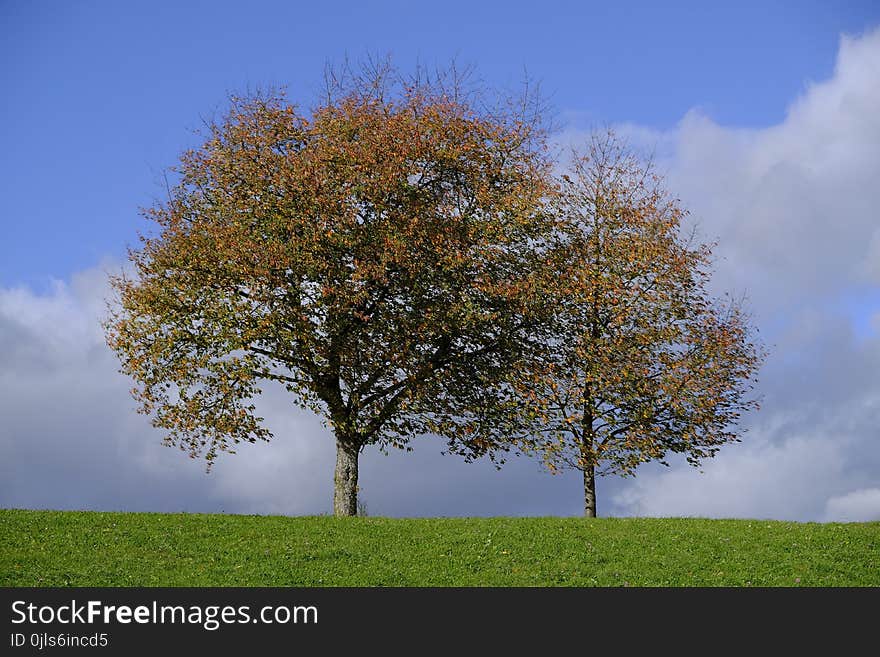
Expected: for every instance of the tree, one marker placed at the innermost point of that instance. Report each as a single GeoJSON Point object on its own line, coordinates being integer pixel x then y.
{"type": "Point", "coordinates": [369, 256]}
{"type": "Point", "coordinates": [638, 360]}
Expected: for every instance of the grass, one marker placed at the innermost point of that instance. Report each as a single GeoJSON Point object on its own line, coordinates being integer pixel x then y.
{"type": "Point", "coordinates": [64, 548]}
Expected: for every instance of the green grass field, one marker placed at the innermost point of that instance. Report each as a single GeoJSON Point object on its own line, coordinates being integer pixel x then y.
{"type": "Point", "coordinates": [55, 548]}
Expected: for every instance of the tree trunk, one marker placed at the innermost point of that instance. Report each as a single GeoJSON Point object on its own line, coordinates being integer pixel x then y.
{"type": "Point", "coordinates": [345, 479]}
{"type": "Point", "coordinates": [588, 462]}
{"type": "Point", "coordinates": [589, 491]}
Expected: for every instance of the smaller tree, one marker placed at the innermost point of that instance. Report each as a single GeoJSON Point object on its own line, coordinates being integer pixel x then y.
{"type": "Point", "coordinates": [637, 359]}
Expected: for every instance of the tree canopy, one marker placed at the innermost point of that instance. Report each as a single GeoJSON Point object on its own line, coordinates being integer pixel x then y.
{"type": "Point", "coordinates": [372, 255]}
{"type": "Point", "coordinates": [637, 359]}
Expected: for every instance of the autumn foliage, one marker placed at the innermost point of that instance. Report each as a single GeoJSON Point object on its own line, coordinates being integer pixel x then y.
{"type": "Point", "coordinates": [368, 255]}
{"type": "Point", "coordinates": [402, 260]}
{"type": "Point", "coordinates": [637, 360]}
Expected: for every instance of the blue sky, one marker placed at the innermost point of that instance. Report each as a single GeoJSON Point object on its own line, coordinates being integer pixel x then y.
{"type": "Point", "coordinates": [765, 117]}
{"type": "Point", "coordinates": [100, 97]}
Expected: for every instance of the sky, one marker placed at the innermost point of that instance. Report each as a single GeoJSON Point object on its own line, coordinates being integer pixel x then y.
{"type": "Point", "coordinates": [765, 118]}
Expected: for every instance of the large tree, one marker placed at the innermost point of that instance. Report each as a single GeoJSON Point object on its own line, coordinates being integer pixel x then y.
{"type": "Point", "coordinates": [638, 359]}
{"type": "Point", "coordinates": [371, 255]}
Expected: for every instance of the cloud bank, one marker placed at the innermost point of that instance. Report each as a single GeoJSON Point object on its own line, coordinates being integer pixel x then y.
{"type": "Point", "coordinates": [71, 439]}
{"type": "Point", "coordinates": [794, 208]}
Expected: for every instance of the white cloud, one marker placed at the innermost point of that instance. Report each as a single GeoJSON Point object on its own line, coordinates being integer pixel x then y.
{"type": "Point", "coordinates": [795, 209]}
{"type": "Point", "coordinates": [761, 478]}
{"type": "Point", "coordinates": [794, 205]}
{"type": "Point", "coordinates": [857, 506]}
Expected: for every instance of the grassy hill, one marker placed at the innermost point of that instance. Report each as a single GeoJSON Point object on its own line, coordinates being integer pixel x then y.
{"type": "Point", "coordinates": [55, 548]}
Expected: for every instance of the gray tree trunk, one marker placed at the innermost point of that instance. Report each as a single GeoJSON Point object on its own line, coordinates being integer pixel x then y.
{"type": "Point", "coordinates": [589, 492]}
{"type": "Point", "coordinates": [587, 456]}
{"type": "Point", "coordinates": [345, 479]}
